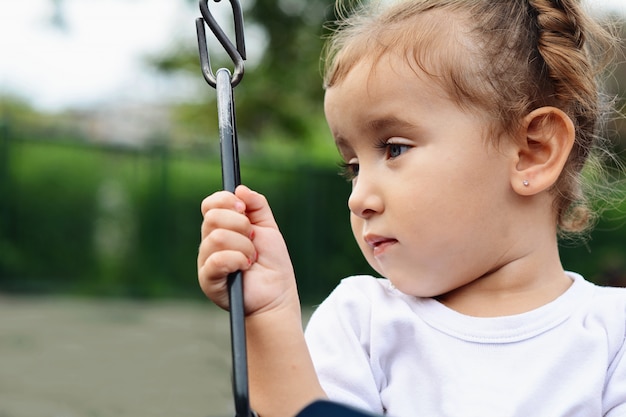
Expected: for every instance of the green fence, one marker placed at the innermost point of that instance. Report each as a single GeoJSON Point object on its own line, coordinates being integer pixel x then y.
{"type": "Point", "coordinates": [101, 220]}
{"type": "Point", "coordinates": [114, 221]}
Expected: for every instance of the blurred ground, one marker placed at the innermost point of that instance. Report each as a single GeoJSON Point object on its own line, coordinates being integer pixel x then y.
{"type": "Point", "coordinates": [62, 357]}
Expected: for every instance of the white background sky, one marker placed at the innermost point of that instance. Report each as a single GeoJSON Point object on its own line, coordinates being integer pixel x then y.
{"type": "Point", "coordinates": [97, 57]}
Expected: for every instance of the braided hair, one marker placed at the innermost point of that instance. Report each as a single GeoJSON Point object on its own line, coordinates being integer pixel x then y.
{"type": "Point", "coordinates": [507, 57]}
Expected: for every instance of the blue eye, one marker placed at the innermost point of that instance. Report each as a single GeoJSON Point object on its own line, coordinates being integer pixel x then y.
{"type": "Point", "coordinates": [393, 150]}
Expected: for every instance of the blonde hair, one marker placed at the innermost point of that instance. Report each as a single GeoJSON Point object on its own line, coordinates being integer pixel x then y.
{"type": "Point", "coordinates": [507, 57]}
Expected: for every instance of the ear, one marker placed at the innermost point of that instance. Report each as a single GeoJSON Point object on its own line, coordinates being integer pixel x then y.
{"type": "Point", "coordinates": [546, 139]}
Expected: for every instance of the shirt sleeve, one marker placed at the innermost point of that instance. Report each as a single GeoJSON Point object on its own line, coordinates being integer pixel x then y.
{"type": "Point", "coordinates": [338, 337]}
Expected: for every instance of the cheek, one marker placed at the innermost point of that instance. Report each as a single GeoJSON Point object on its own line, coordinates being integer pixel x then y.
{"type": "Point", "coordinates": [357, 231]}
{"type": "Point", "coordinates": [357, 227]}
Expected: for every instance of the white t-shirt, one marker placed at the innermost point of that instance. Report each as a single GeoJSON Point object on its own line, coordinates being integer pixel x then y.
{"type": "Point", "coordinates": [384, 351]}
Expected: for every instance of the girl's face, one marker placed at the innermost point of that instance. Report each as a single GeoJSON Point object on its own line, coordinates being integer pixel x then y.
{"type": "Point", "coordinates": [431, 202]}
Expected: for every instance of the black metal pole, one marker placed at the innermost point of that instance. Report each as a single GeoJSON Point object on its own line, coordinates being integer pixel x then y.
{"type": "Point", "coordinates": [230, 180]}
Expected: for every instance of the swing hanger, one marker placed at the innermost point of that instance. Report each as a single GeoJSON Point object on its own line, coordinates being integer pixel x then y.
{"type": "Point", "coordinates": [236, 53]}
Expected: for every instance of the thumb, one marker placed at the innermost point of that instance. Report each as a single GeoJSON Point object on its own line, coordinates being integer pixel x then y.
{"type": "Point", "coordinates": [257, 207]}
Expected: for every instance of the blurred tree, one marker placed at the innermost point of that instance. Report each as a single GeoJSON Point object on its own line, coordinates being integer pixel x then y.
{"type": "Point", "coordinates": [282, 92]}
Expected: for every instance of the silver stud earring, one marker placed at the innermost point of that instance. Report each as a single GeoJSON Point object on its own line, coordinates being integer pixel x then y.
{"type": "Point", "coordinates": [526, 183]}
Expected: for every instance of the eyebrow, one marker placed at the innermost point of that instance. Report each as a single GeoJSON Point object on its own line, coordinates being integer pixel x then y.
{"type": "Point", "coordinates": [378, 126]}
{"type": "Point", "coordinates": [385, 123]}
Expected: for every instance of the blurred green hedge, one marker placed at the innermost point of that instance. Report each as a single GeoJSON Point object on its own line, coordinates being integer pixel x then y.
{"type": "Point", "coordinates": [117, 222]}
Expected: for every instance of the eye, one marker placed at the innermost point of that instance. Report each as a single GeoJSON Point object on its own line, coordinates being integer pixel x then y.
{"type": "Point", "coordinates": [393, 149]}
{"type": "Point", "coordinates": [349, 170]}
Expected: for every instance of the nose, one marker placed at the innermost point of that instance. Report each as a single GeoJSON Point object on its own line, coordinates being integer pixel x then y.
{"type": "Point", "coordinates": [365, 199]}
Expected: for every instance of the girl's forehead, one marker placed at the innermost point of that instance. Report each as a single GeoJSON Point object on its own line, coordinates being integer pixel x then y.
{"type": "Point", "coordinates": [431, 46]}
{"type": "Point", "coordinates": [388, 85]}
{"type": "Point", "coordinates": [391, 92]}
{"type": "Point", "coordinates": [384, 74]}
{"type": "Point", "coordinates": [434, 40]}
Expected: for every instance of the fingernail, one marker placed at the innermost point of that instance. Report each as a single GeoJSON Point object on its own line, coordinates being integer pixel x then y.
{"type": "Point", "coordinates": [252, 234]}
{"type": "Point", "coordinates": [240, 207]}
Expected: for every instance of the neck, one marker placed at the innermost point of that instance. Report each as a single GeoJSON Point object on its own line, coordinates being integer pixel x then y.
{"type": "Point", "coordinates": [515, 287]}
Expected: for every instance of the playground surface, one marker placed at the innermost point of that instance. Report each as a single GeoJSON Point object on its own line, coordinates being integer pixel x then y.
{"type": "Point", "coordinates": [65, 357]}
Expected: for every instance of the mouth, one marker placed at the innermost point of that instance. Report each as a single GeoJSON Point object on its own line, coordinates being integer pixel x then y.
{"type": "Point", "coordinates": [379, 244]}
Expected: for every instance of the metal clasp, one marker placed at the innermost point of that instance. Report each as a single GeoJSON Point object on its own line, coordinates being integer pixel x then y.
{"type": "Point", "coordinates": [236, 53]}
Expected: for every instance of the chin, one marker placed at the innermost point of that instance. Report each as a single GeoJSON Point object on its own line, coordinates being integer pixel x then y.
{"type": "Point", "coordinates": [415, 290]}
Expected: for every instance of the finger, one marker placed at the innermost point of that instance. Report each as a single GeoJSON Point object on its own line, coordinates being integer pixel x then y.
{"type": "Point", "coordinates": [257, 207]}
{"type": "Point", "coordinates": [223, 240]}
{"type": "Point", "coordinates": [223, 200]}
{"type": "Point", "coordinates": [213, 273]}
{"type": "Point", "coordinates": [225, 219]}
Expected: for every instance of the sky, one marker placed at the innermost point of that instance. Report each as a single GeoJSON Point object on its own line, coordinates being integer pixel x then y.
{"type": "Point", "coordinates": [96, 55]}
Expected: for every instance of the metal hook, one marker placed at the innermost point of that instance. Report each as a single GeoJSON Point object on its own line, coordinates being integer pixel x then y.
{"type": "Point", "coordinates": [236, 53]}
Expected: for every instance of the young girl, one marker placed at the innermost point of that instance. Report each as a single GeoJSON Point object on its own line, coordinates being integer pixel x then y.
{"type": "Point", "coordinates": [464, 126]}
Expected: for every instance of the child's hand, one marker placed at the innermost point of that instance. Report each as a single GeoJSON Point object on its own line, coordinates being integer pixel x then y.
{"type": "Point", "coordinates": [239, 233]}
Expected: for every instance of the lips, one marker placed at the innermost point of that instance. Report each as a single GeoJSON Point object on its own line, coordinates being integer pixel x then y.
{"type": "Point", "coordinates": [379, 244]}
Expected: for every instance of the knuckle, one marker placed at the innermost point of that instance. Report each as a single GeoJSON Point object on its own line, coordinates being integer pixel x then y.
{"type": "Point", "coordinates": [222, 264]}
{"type": "Point", "coordinates": [218, 239]}
{"type": "Point", "coordinates": [211, 219]}
{"type": "Point", "coordinates": [215, 200]}
{"type": "Point", "coordinates": [263, 199]}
